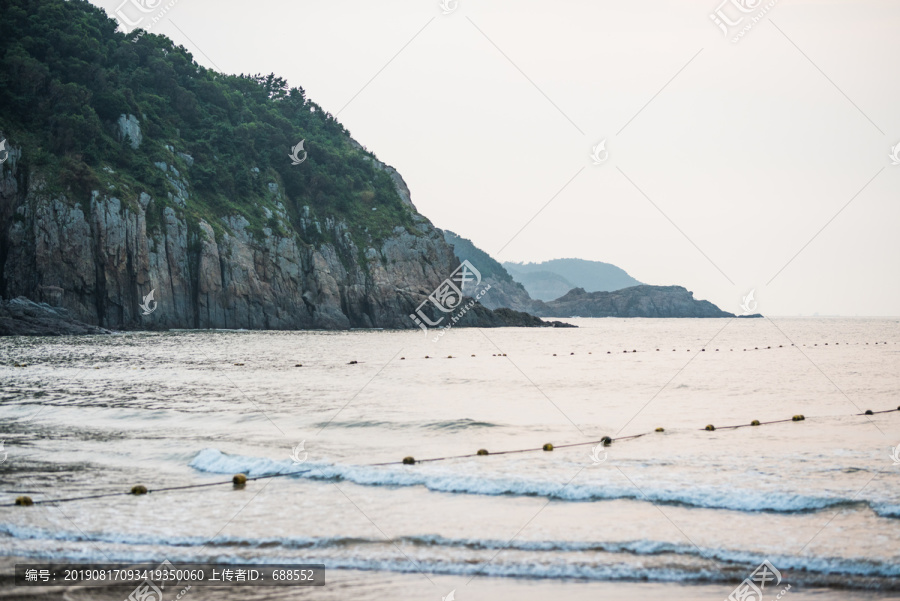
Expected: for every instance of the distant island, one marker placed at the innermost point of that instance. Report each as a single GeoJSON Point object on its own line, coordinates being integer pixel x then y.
{"type": "Point", "coordinates": [631, 299]}
{"type": "Point", "coordinates": [635, 301]}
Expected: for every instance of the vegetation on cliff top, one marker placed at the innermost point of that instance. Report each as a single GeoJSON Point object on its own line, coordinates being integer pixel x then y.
{"type": "Point", "coordinates": [465, 249]}
{"type": "Point", "coordinates": [66, 76]}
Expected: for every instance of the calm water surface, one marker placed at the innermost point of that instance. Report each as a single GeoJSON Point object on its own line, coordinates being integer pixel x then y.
{"type": "Point", "coordinates": [684, 513]}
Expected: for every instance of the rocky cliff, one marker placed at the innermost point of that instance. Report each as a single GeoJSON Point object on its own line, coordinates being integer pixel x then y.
{"type": "Point", "coordinates": [637, 301]}
{"type": "Point", "coordinates": [504, 291]}
{"type": "Point", "coordinates": [100, 257]}
{"type": "Point", "coordinates": [139, 189]}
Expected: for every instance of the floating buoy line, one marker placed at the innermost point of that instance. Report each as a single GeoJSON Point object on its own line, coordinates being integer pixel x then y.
{"type": "Point", "coordinates": [239, 481]}
{"type": "Point", "coordinates": [616, 352]}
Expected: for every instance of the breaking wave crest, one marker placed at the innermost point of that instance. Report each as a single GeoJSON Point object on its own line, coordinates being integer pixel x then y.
{"type": "Point", "coordinates": [444, 479]}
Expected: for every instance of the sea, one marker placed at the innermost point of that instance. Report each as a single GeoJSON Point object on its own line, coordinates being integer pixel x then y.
{"type": "Point", "coordinates": [677, 504]}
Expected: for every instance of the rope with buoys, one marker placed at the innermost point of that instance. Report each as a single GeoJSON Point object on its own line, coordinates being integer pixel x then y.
{"type": "Point", "coordinates": [239, 481]}
{"type": "Point", "coordinates": [702, 349]}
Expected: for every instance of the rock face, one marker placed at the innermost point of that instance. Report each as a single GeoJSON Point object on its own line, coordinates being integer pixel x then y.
{"type": "Point", "coordinates": [22, 317]}
{"type": "Point", "coordinates": [637, 301]}
{"type": "Point", "coordinates": [504, 291]}
{"type": "Point", "coordinates": [129, 129]}
{"type": "Point", "coordinates": [508, 295]}
{"type": "Point", "coordinates": [99, 258]}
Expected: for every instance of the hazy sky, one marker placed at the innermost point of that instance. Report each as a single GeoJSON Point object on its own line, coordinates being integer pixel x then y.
{"type": "Point", "coordinates": [725, 159]}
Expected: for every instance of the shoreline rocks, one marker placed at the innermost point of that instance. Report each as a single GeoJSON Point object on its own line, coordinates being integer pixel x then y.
{"type": "Point", "coordinates": [23, 317]}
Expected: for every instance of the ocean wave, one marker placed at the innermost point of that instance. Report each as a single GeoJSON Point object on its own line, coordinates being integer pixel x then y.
{"type": "Point", "coordinates": [458, 425]}
{"type": "Point", "coordinates": [34, 533]}
{"type": "Point", "coordinates": [357, 424]}
{"type": "Point", "coordinates": [564, 559]}
{"type": "Point", "coordinates": [453, 425]}
{"type": "Point", "coordinates": [441, 479]}
{"type": "Point", "coordinates": [886, 511]}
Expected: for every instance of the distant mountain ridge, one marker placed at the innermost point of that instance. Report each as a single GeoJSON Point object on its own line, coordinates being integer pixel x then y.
{"type": "Point", "coordinates": [633, 300]}
{"type": "Point", "coordinates": [550, 280]}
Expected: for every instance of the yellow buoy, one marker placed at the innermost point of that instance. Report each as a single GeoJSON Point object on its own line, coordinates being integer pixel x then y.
{"type": "Point", "coordinates": [24, 501]}
{"type": "Point", "coordinates": [710, 427]}
{"type": "Point", "coordinates": [239, 480]}
{"type": "Point", "coordinates": [139, 489]}
{"type": "Point", "coordinates": [754, 422]}
{"type": "Point", "coordinates": [482, 452]}
{"type": "Point", "coordinates": [409, 461]}
{"type": "Point", "coordinates": [798, 418]}
{"type": "Point", "coordinates": [548, 447]}
{"type": "Point", "coordinates": [660, 429]}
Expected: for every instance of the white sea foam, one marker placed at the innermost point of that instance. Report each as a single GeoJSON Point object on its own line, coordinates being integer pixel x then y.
{"type": "Point", "coordinates": [553, 559]}
{"type": "Point", "coordinates": [444, 479]}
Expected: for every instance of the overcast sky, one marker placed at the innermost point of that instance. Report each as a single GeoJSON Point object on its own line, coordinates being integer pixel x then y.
{"type": "Point", "coordinates": [725, 159]}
